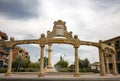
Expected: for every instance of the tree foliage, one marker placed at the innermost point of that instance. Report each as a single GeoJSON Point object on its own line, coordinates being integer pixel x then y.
{"type": "Point", "coordinates": [34, 65]}
{"type": "Point", "coordinates": [84, 63]}
{"type": "Point", "coordinates": [61, 64]}
{"type": "Point", "coordinates": [20, 63]}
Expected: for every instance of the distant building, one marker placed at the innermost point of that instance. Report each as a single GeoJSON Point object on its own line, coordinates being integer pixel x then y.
{"type": "Point", "coordinates": [95, 65]}
{"type": "Point", "coordinates": [18, 51]}
{"type": "Point", "coordinates": [4, 51]}
{"type": "Point", "coordinates": [3, 36]}
{"type": "Point", "coordinates": [116, 42]}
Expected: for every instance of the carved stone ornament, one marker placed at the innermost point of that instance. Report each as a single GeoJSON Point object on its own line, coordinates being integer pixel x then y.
{"type": "Point", "coordinates": [59, 29]}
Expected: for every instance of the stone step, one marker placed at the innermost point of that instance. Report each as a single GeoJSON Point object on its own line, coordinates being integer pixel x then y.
{"type": "Point", "coordinates": [59, 79]}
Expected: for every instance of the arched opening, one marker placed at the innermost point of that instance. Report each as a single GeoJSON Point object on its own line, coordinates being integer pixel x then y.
{"type": "Point", "coordinates": [26, 58]}
{"type": "Point", "coordinates": [89, 52]}
{"type": "Point", "coordinates": [63, 53]}
{"type": "Point", "coordinates": [89, 59]}
{"type": "Point", "coordinates": [110, 61]}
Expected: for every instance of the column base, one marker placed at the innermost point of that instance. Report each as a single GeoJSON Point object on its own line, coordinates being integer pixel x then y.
{"type": "Point", "coordinates": [115, 74]}
{"type": "Point", "coordinates": [76, 74]}
{"type": "Point", "coordinates": [8, 74]}
{"type": "Point", "coordinates": [41, 75]}
{"type": "Point", "coordinates": [103, 74]}
{"type": "Point", "coordinates": [50, 69]}
{"type": "Point", "coordinates": [108, 72]}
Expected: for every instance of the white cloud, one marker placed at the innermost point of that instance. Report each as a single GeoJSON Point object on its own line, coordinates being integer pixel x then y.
{"type": "Point", "coordinates": [89, 52]}
{"type": "Point", "coordinates": [89, 19]}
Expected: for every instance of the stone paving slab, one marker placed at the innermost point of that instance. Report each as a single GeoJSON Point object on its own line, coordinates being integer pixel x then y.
{"type": "Point", "coordinates": [34, 77]}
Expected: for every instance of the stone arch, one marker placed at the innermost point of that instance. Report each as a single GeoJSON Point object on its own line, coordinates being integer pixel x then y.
{"type": "Point", "coordinates": [46, 40]}
{"type": "Point", "coordinates": [59, 30]}
{"type": "Point", "coordinates": [108, 52]}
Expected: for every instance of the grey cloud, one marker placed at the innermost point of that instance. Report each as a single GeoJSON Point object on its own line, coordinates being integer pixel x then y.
{"type": "Point", "coordinates": [26, 35]}
{"type": "Point", "coordinates": [19, 9]}
{"type": "Point", "coordinates": [103, 5]}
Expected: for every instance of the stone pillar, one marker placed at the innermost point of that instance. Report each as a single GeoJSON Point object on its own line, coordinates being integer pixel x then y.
{"type": "Point", "coordinates": [41, 74]}
{"type": "Point", "coordinates": [107, 65]}
{"type": "Point", "coordinates": [102, 60]}
{"type": "Point", "coordinates": [9, 70]}
{"type": "Point", "coordinates": [9, 73]}
{"type": "Point", "coordinates": [76, 46]}
{"type": "Point", "coordinates": [49, 56]}
{"type": "Point", "coordinates": [114, 65]}
{"type": "Point", "coordinates": [76, 63]}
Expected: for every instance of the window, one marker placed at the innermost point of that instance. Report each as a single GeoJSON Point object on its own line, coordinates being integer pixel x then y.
{"type": "Point", "coordinates": [118, 54]}
{"type": "Point", "coordinates": [117, 44]}
{"type": "Point", "coordinates": [4, 56]}
{"type": "Point", "coordinates": [109, 44]}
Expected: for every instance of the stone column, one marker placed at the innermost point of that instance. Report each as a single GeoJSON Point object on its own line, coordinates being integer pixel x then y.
{"type": "Point", "coordinates": [114, 65]}
{"type": "Point", "coordinates": [76, 63]}
{"type": "Point", "coordinates": [102, 60]}
{"type": "Point", "coordinates": [9, 73]}
{"type": "Point", "coordinates": [76, 46]}
{"type": "Point", "coordinates": [41, 74]}
{"type": "Point", "coordinates": [107, 65]}
{"type": "Point", "coordinates": [49, 56]}
{"type": "Point", "coordinates": [9, 70]}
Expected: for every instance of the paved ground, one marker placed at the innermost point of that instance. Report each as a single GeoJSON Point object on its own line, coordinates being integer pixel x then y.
{"type": "Point", "coordinates": [62, 77]}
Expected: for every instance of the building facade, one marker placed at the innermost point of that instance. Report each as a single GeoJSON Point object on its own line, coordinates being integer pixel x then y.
{"type": "Point", "coordinates": [4, 51]}
{"type": "Point", "coordinates": [95, 65]}
{"type": "Point", "coordinates": [116, 42]}
{"type": "Point", "coordinates": [18, 51]}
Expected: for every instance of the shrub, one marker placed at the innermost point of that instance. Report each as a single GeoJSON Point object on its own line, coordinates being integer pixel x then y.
{"type": "Point", "coordinates": [3, 70]}
{"type": "Point", "coordinates": [96, 71]}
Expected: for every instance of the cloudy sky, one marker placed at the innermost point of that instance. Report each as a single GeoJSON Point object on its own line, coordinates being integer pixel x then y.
{"type": "Point", "coordinates": [91, 20]}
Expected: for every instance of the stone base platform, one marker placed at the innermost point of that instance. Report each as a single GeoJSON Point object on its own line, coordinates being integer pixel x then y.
{"type": "Point", "coordinates": [63, 77]}
{"type": "Point", "coordinates": [50, 70]}
{"type": "Point", "coordinates": [60, 79]}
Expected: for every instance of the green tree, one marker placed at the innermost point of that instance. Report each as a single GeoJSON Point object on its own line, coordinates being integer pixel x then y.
{"type": "Point", "coordinates": [18, 63]}
{"type": "Point", "coordinates": [84, 63]}
{"type": "Point", "coordinates": [26, 62]}
{"type": "Point", "coordinates": [61, 64]}
{"type": "Point", "coordinates": [72, 68]}
{"type": "Point", "coordinates": [34, 65]}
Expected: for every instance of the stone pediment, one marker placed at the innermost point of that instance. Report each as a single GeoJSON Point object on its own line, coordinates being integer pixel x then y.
{"type": "Point", "coordinates": [59, 30]}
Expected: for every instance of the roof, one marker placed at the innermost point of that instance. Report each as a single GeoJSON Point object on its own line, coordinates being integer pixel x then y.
{"type": "Point", "coordinates": [2, 51]}
{"type": "Point", "coordinates": [95, 64]}
{"type": "Point", "coordinates": [3, 35]}
{"type": "Point", "coordinates": [112, 39]}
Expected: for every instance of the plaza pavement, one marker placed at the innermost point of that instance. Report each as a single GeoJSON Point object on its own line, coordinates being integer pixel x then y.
{"type": "Point", "coordinates": [56, 77]}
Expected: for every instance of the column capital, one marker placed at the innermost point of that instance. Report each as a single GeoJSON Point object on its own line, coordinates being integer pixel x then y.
{"type": "Point", "coordinates": [11, 44]}
{"type": "Point", "coordinates": [76, 41]}
{"type": "Point", "coordinates": [100, 43]}
{"type": "Point", "coordinates": [50, 50]}
{"type": "Point", "coordinates": [42, 44]}
{"type": "Point", "coordinates": [76, 45]}
{"type": "Point", "coordinates": [42, 40]}
{"type": "Point", "coordinates": [50, 44]}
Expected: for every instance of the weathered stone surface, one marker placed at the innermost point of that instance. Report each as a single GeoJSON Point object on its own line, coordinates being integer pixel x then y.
{"type": "Point", "coordinates": [60, 79]}
{"type": "Point", "coordinates": [60, 30]}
